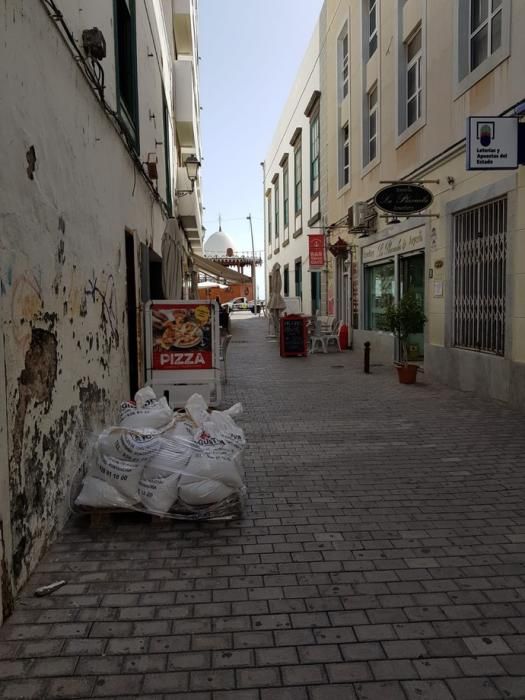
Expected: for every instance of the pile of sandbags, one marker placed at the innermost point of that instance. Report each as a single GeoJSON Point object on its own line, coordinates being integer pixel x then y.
{"type": "Point", "coordinates": [184, 465]}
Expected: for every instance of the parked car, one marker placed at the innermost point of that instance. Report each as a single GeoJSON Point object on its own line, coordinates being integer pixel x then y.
{"type": "Point", "coordinates": [260, 306]}
{"type": "Point", "coordinates": [237, 304]}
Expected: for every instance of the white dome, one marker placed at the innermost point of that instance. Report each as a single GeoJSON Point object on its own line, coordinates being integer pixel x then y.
{"type": "Point", "coordinates": [218, 244]}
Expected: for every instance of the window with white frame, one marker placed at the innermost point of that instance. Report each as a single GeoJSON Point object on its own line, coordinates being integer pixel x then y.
{"type": "Point", "coordinates": [343, 67]}
{"type": "Point", "coordinates": [286, 204]}
{"type": "Point", "coordinates": [276, 211]}
{"type": "Point", "coordinates": [414, 86]}
{"type": "Point", "coordinates": [344, 158]}
{"type": "Point", "coordinates": [314, 156]}
{"type": "Point", "coordinates": [483, 38]}
{"type": "Point", "coordinates": [485, 29]}
{"type": "Point", "coordinates": [269, 216]}
{"type": "Point", "coordinates": [298, 178]}
{"type": "Point", "coordinates": [372, 27]}
{"type": "Point", "coordinates": [372, 124]}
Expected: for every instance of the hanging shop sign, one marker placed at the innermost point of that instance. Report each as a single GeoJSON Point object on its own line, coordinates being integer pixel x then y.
{"type": "Point", "coordinates": [403, 198]}
{"type": "Point", "coordinates": [316, 250]}
{"type": "Point", "coordinates": [492, 143]}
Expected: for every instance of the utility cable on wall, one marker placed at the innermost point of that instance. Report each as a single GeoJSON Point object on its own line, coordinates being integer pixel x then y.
{"type": "Point", "coordinates": [92, 77]}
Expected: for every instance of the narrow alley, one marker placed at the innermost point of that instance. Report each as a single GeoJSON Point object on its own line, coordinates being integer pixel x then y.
{"type": "Point", "coordinates": [381, 556]}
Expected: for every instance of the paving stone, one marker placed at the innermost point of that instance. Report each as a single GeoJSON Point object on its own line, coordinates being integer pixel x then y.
{"type": "Point", "coordinates": [165, 682]}
{"type": "Point", "coordinates": [473, 688]}
{"type": "Point", "coordinates": [349, 672]}
{"type": "Point", "coordinates": [28, 689]}
{"type": "Point", "coordinates": [393, 669]}
{"type": "Point", "coordinates": [427, 690]}
{"type": "Point", "coordinates": [405, 649]}
{"type": "Point", "coordinates": [68, 688]}
{"type": "Point", "coordinates": [283, 694]}
{"type": "Point", "coordinates": [386, 690]}
{"type": "Point", "coordinates": [332, 692]}
{"type": "Point", "coordinates": [487, 645]}
{"type": "Point", "coordinates": [437, 668]}
{"type": "Point", "coordinates": [257, 677]}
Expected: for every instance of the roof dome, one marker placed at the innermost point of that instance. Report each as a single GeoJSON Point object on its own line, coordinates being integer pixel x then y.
{"type": "Point", "coordinates": [219, 243]}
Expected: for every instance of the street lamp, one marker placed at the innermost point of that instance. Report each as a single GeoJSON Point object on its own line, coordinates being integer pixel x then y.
{"type": "Point", "coordinates": [192, 164]}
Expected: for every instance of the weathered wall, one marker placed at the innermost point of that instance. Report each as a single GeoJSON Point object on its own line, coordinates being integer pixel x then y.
{"type": "Point", "coordinates": [68, 192]}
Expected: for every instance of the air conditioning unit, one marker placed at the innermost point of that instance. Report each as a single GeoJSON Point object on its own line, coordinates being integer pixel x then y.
{"type": "Point", "coordinates": [362, 214]}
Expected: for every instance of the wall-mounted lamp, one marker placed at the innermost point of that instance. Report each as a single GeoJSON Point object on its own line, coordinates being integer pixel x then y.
{"type": "Point", "coordinates": [394, 220]}
{"type": "Point", "coordinates": [192, 164]}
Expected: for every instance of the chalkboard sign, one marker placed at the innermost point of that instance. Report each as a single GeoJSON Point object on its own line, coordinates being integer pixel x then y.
{"type": "Point", "coordinates": [294, 336]}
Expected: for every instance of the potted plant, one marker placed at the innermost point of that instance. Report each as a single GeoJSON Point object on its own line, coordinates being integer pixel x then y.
{"type": "Point", "coordinates": [402, 319]}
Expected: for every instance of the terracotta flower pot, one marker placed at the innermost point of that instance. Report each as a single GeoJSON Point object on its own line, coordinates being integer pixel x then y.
{"type": "Point", "coordinates": [407, 374]}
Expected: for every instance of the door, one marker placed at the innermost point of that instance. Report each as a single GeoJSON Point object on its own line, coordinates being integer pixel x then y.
{"type": "Point", "coordinates": [412, 278]}
{"type": "Point", "coordinates": [315, 286]}
{"type": "Point", "coordinates": [131, 308]}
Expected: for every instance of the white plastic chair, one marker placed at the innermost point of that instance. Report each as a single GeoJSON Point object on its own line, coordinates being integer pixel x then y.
{"type": "Point", "coordinates": [333, 336]}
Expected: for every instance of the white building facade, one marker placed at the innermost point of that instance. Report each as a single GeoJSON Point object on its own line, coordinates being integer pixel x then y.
{"type": "Point", "coordinates": [96, 145]}
{"type": "Point", "coordinates": [293, 187]}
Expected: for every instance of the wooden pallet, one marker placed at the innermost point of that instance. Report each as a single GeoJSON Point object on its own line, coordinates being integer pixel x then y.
{"type": "Point", "coordinates": [103, 519]}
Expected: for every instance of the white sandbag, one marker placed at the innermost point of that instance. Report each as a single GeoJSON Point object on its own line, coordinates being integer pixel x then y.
{"type": "Point", "coordinates": [221, 426]}
{"type": "Point", "coordinates": [145, 396]}
{"type": "Point", "coordinates": [158, 489]}
{"type": "Point", "coordinates": [96, 493]}
{"type": "Point", "coordinates": [233, 411]}
{"type": "Point", "coordinates": [199, 492]}
{"type": "Point", "coordinates": [207, 480]}
{"type": "Point", "coordinates": [216, 462]}
{"type": "Point", "coordinates": [158, 486]}
{"type": "Point", "coordinates": [183, 429]}
{"type": "Point", "coordinates": [197, 408]}
{"type": "Point", "coordinates": [123, 476]}
{"type": "Point", "coordinates": [128, 445]}
{"type": "Point", "coordinates": [152, 414]}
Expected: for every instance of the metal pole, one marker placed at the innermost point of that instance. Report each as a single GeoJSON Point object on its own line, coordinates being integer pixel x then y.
{"type": "Point", "coordinates": [367, 358]}
{"type": "Point", "coordinates": [249, 217]}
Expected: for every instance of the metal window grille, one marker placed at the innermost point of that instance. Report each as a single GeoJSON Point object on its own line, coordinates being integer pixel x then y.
{"type": "Point", "coordinates": [480, 252]}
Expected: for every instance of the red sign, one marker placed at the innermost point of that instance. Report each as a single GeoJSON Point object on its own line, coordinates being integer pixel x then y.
{"type": "Point", "coordinates": [182, 337]}
{"type": "Point", "coordinates": [316, 249]}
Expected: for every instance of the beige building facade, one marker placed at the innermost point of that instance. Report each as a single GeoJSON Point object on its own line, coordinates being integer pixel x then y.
{"type": "Point", "coordinates": [294, 189]}
{"type": "Point", "coordinates": [398, 80]}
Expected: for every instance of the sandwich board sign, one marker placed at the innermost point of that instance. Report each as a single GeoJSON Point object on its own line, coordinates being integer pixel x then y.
{"type": "Point", "coordinates": [492, 143]}
{"type": "Point", "coordinates": [182, 350]}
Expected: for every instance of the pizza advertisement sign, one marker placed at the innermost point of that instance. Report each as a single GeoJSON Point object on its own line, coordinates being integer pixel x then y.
{"type": "Point", "coordinates": [182, 335]}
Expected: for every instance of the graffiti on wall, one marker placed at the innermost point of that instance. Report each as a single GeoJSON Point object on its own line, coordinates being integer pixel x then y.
{"type": "Point", "coordinates": [103, 292]}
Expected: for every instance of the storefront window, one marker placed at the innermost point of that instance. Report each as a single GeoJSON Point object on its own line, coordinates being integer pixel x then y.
{"type": "Point", "coordinates": [380, 290]}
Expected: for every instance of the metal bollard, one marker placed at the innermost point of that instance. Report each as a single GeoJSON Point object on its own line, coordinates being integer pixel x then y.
{"type": "Point", "coordinates": [367, 357]}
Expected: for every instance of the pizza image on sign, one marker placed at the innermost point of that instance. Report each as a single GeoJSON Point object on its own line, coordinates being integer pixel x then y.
{"type": "Point", "coordinates": [181, 336]}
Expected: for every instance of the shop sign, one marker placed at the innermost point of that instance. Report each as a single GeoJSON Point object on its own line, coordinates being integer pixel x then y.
{"type": "Point", "coordinates": [316, 250]}
{"type": "Point", "coordinates": [403, 198]}
{"type": "Point", "coordinates": [492, 143]}
{"type": "Point", "coordinates": [182, 335]}
{"type": "Point", "coordinates": [397, 245]}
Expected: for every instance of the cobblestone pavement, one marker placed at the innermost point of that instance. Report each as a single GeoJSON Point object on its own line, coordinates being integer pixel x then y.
{"type": "Point", "coordinates": [381, 557]}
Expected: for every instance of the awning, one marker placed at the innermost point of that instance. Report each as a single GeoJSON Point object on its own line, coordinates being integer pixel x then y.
{"type": "Point", "coordinates": [217, 270]}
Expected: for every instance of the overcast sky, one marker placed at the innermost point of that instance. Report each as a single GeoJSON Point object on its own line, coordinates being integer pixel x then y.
{"type": "Point", "coordinates": [250, 52]}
